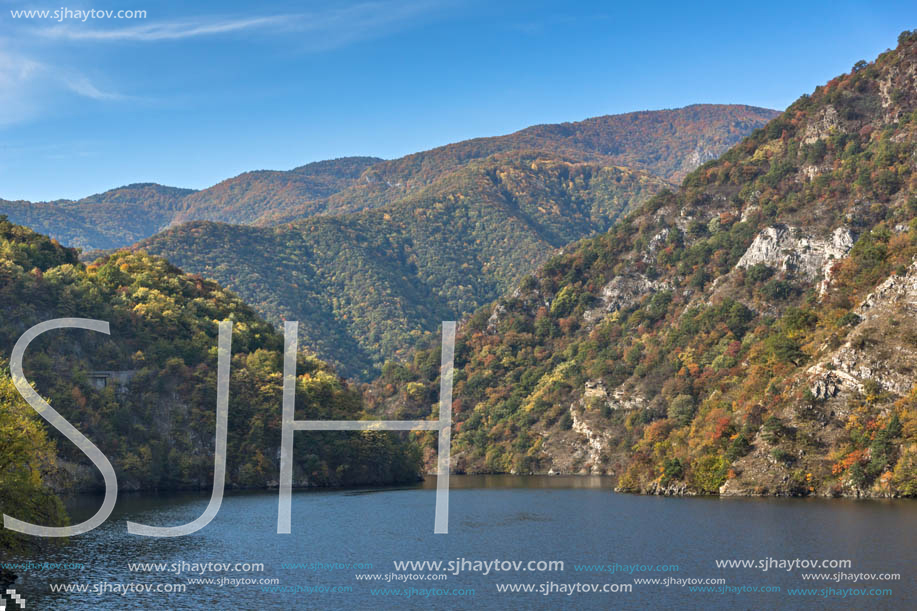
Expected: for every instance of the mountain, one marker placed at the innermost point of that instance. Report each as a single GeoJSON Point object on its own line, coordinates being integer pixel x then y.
{"type": "Point", "coordinates": [752, 332]}
{"type": "Point", "coordinates": [667, 143]}
{"type": "Point", "coordinates": [248, 197]}
{"type": "Point", "coordinates": [365, 285]}
{"type": "Point", "coordinates": [146, 393]}
{"type": "Point", "coordinates": [107, 220]}
{"type": "Point", "coordinates": [123, 216]}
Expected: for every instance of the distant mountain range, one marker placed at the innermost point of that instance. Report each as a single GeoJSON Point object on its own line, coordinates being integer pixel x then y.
{"type": "Point", "coordinates": [108, 220]}
{"type": "Point", "coordinates": [666, 143]}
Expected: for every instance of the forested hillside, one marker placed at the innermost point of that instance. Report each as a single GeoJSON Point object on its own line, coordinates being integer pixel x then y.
{"type": "Point", "coordinates": [253, 196]}
{"type": "Point", "coordinates": [146, 394]}
{"type": "Point", "coordinates": [753, 332]}
{"type": "Point", "coordinates": [123, 216]}
{"type": "Point", "coordinates": [665, 143]}
{"type": "Point", "coordinates": [107, 220]}
{"type": "Point", "coordinates": [366, 286]}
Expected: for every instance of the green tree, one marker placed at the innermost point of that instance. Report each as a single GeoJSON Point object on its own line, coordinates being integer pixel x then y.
{"type": "Point", "coordinates": [26, 457]}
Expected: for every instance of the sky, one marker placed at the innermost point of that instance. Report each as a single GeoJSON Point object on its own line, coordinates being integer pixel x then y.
{"type": "Point", "coordinates": [196, 92]}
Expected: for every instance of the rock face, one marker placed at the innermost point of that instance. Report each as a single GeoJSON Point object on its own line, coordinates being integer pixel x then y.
{"type": "Point", "coordinates": [623, 292]}
{"type": "Point", "coordinates": [673, 489]}
{"type": "Point", "coordinates": [596, 441]}
{"type": "Point", "coordinates": [882, 346]}
{"type": "Point", "coordinates": [898, 79]}
{"type": "Point", "coordinates": [822, 127]}
{"type": "Point", "coordinates": [498, 311]}
{"type": "Point", "coordinates": [655, 245]}
{"type": "Point", "coordinates": [896, 290]}
{"type": "Point", "coordinates": [791, 250]}
{"type": "Point", "coordinates": [595, 390]}
{"type": "Point", "coordinates": [876, 359]}
{"type": "Point", "coordinates": [826, 386]}
{"type": "Point", "coordinates": [698, 157]}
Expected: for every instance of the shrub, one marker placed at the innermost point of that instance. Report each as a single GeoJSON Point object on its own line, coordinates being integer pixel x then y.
{"type": "Point", "coordinates": [708, 473]}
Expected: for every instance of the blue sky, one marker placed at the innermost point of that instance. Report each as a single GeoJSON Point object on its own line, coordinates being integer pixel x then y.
{"type": "Point", "coordinates": [197, 92]}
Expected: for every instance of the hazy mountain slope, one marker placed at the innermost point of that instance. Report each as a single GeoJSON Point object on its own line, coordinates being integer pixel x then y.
{"type": "Point", "coordinates": [247, 197]}
{"type": "Point", "coordinates": [107, 220]}
{"type": "Point", "coordinates": [364, 286]}
{"type": "Point", "coordinates": [157, 426]}
{"type": "Point", "coordinates": [753, 332]}
{"type": "Point", "coordinates": [668, 143]}
{"type": "Point", "coordinates": [126, 215]}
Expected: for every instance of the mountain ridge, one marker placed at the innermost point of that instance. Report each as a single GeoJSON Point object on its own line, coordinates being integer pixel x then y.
{"type": "Point", "coordinates": [349, 184]}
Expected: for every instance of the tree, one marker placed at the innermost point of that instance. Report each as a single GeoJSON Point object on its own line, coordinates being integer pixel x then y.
{"type": "Point", "coordinates": [787, 349]}
{"type": "Point", "coordinates": [681, 410]}
{"type": "Point", "coordinates": [26, 456]}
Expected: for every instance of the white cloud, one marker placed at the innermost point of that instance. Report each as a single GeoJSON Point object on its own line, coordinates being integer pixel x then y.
{"type": "Point", "coordinates": [26, 84]}
{"type": "Point", "coordinates": [17, 75]}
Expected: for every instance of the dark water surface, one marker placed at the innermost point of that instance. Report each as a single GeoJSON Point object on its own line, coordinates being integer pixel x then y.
{"type": "Point", "coordinates": [577, 520]}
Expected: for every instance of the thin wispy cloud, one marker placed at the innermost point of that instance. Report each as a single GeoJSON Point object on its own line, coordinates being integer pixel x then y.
{"type": "Point", "coordinates": [327, 29]}
{"type": "Point", "coordinates": [33, 78]}
{"type": "Point", "coordinates": [25, 83]}
{"type": "Point", "coordinates": [175, 30]}
{"type": "Point", "coordinates": [17, 75]}
{"type": "Point", "coordinates": [84, 87]}
{"type": "Point", "coordinates": [352, 24]}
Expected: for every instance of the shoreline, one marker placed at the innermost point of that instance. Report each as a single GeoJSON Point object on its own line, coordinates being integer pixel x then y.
{"type": "Point", "coordinates": [429, 479]}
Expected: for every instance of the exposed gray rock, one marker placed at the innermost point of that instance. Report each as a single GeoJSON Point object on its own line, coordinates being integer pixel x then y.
{"type": "Point", "coordinates": [826, 386]}
{"type": "Point", "coordinates": [873, 351]}
{"type": "Point", "coordinates": [657, 242]}
{"type": "Point", "coordinates": [673, 489]}
{"type": "Point", "coordinates": [595, 389]}
{"type": "Point", "coordinates": [748, 212]}
{"type": "Point", "coordinates": [810, 171]}
{"type": "Point", "coordinates": [623, 292]}
{"type": "Point", "coordinates": [698, 157]}
{"type": "Point", "coordinates": [895, 290]}
{"type": "Point", "coordinates": [897, 78]}
{"type": "Point", "coordinates": [596, 441]}
{"type": "Point", "coordinates": [499, 310]}
{"type": "Point", "coordinates": [793, 251]}
{"type": "Point", "coordinates": [822, 126]}
{"type": "Point", "coordinates": [619, 399]}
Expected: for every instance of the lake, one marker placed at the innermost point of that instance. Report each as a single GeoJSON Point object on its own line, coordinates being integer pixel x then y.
{"type": "Point", "coordinates": [604, 540]}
